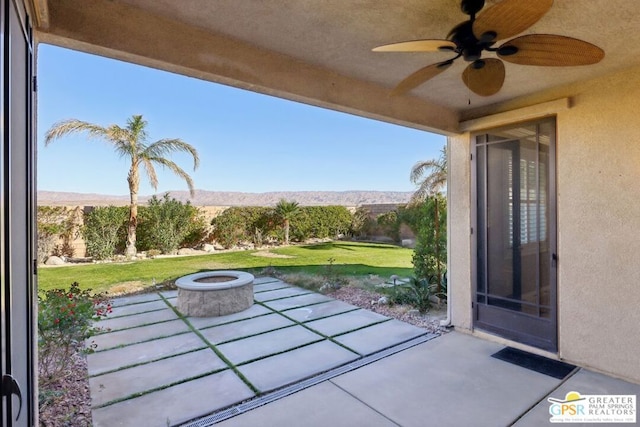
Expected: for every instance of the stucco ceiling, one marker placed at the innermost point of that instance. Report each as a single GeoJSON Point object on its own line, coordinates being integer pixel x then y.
{"type": "Point", "coordinates": [334, 38]}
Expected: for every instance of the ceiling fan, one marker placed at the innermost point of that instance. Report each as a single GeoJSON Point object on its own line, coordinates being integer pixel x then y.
{"type": "Point", "coordinates": [471, 39]}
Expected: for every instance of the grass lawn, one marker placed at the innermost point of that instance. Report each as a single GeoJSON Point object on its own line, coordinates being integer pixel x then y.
{"type": "Point", "coordinates": [351, 259]}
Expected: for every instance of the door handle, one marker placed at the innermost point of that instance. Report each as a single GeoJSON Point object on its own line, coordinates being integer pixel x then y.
{"type": "Point", "coordinates": [10, 387]}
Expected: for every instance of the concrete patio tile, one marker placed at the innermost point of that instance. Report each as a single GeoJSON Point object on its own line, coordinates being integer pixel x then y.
{"type": "Point", "coordinates": [105, 361]}
{"type": "Point", "coordinates": [267, 279]}
{"type": "Point", "coordinates": [299, 301]}
{"type": "Point", "coordinates": [345, 322]}
{"type": "Point", "coordinates": [176, 404]}
{"type": "Point", "coordinates": [136, 320]}
{"type": "Point", "coordinates": [139, 334]}
{"type": "Point", "coordinates": [127, 310]}
{"type": "Point", "coordinates": [448, 381]}
{"type": "Point", "coordinates": [244, 328]}
{"type": "Point", "coordinates": [317, 311]}
{"type": "Point", "coordinates": [170, 294]}
{"type": "Point", "coordinates": [267, 344]}
{"type": "Point", "coordinates": [319, 406]}
{"type": "Point", "coordinates": [254, 311]}
{"type": "Point", "coordinates": [126, 382]}
{"type": "Point", "coordinates": [584, 382]}
{"type": "Point", "coordinates": [280, 293]}
{"type": "Point", "coordinates": [378, 337]}
{"type": "Point", "coordinates": [296, 365]}
{"type": "Point", "coordinates": [269, 286]}
{"type": "Point", "coordinates": [134, 299]}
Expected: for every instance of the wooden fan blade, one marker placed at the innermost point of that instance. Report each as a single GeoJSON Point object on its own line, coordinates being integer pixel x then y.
{"type": "Point", "coordinates": [510, 17]}
{"type": "Point", "coordinates": [487, 80]}
{"type": "Point", "coordinates": [417, 46]}
{"type": "Point", "coordinates": [419, 77]}
{"type": "Point", "coordinates": [552, 50]}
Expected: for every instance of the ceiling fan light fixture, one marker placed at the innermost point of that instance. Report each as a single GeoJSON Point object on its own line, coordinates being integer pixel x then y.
{"type": "Point", "coordinates": [488, 37]}
{"type": "Point", "coordinates": [478, 64]}
{"type": "Point", "coordinates": [471, 54]}
{"type": "Point", "coordinates": [507, 50]}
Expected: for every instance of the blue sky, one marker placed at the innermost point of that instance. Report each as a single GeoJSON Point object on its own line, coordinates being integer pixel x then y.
{"type": "Point", "coordinates": [247, 142]}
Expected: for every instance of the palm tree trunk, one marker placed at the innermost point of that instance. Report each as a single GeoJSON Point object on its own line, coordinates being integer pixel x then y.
{"type": "Point", "coordinates": [286, 231]}
{"type": "Point", "coordinates": [134, 183]}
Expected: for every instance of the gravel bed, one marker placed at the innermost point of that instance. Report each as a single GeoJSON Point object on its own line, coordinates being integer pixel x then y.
{"type": "Point", "coordinates": [369, 300]}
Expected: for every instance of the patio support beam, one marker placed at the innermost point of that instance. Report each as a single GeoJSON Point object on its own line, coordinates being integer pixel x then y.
{"type": "Point", "coordinates": [117, 30]}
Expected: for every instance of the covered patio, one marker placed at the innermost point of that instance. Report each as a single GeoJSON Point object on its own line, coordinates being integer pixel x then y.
{"type": "Point", "coordinates": [575, 126]}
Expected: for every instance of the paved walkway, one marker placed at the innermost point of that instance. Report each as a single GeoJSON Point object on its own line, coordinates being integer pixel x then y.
{"type": "Point", "coordinates": [451, 381]}
{"type": "Point", "coordinates": [157, 368]}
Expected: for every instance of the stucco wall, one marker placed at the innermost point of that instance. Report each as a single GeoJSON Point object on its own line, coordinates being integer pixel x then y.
{"type": "Point", "coordinates": [459, 217]}
{"type": "Point", "coordinates": [598, 154]}
{"type": "Point", "coordinates": [598, 184]}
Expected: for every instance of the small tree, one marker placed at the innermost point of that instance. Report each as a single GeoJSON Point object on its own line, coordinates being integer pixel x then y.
{"type": "Point", "coordinates": [428, 260]}
{"type": "Point", "coordinates": [431, 177]}
{"type": "Point", "coordinates": [105, 230]}
{"type": "Point", "coordinates": [286, 210]}
{"type": "Point", "coordinates": [165, 223]}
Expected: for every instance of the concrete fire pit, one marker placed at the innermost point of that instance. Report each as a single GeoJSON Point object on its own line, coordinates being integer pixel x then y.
{"type": "Point", "coordinates": [214, 293]}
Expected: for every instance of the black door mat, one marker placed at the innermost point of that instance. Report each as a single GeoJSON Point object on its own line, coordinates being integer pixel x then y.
{"type": "Point", "coordinates": [534, 362]}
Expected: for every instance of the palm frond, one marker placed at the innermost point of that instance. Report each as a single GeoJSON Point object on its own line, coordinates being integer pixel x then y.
{"type": "Point", "coordinates": [430, 176]}
{"type": "Point", "coordinates": [151, 172]}
{"type": "Point", "coordinates": [66, 127]}
{"type": "Point", "coordinates": [173, 167]}
{"type": "Point", "coordinates": [137, 128]}
{"type": "Point", "coordinates": [163, 147]}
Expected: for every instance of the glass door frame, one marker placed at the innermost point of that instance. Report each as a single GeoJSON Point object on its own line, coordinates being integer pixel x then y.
{"type": "Point", "coordinates": [514, 325]}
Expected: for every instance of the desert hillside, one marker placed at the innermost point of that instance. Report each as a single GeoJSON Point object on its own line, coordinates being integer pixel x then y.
{"type": "Point", "coordinates": [223, 198]}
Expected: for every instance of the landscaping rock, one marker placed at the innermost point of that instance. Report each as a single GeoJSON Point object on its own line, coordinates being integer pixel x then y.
{"type": "Point", "coordinates": [185, 251]}
{"type": "Point", "coordinates": [208, 247]}
{"type": "Point", "coordinates": [54, 260]}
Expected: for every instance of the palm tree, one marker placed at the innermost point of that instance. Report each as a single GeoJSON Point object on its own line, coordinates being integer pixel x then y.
{"type": "Point", "coordinates": [132, 142]}
{"type": "Point", "coordinates": [431, 177]}
{"type": "Point", "coordinates": [285, 211]}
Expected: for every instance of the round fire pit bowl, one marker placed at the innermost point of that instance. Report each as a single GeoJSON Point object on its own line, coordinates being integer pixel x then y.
{"type": "Point", "coordinates": [214, 293]}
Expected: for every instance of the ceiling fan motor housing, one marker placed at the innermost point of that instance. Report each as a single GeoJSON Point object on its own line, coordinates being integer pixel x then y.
{"type": "Point", "coordinates": [466, 42]}
{"type": "Point", "coordinates": [471, 7]}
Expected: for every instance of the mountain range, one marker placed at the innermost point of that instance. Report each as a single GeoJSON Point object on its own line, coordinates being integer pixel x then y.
{"type": "Point", "coordinates": [227, 198]}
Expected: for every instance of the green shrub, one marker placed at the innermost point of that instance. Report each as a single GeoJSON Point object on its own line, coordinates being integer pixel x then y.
{"type": "Point", "coordinates": [257, 224]}
{"type": "Point", "coordinates": [105, 231]}
{"type": "Point", "coordinates": [417, 293]}
{"type": "Point", "coordinates": [166, 223]}
{"type": "Point", "coordinates": [430, 253]}
{"type": "Point", "coordinates": [321, 222]}
{"type": "Point", "coordinates": [198, 231]}
{"type": "Point", "coordinates": [244, 224]}
{"type": "Point", "coordinates": [65, 321]}
{"type": "Point", "coordinates": [359, 223]}
{"type": "Point", "coordinates": [390, 224]}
